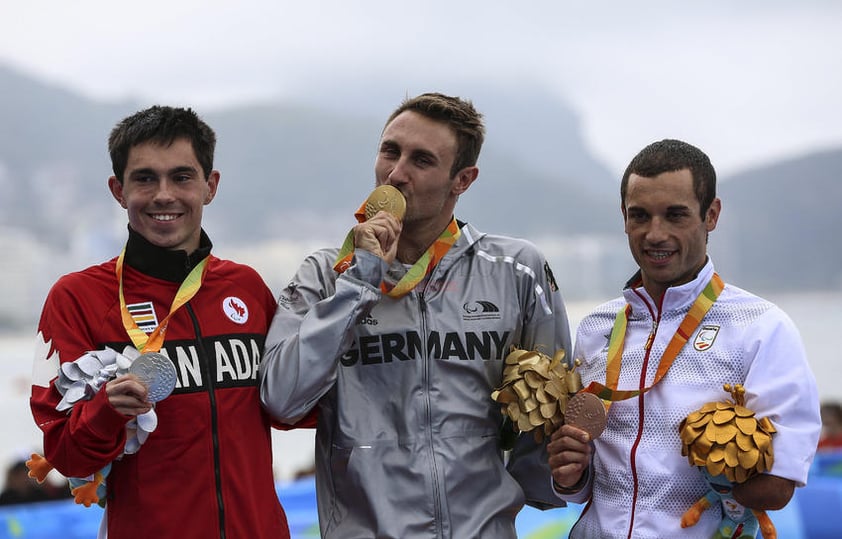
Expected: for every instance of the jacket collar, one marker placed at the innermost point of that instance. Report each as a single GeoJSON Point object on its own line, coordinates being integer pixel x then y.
{"type": "Point", "coordinates": [166, 264]}
{"type": "Point", "coordinates": [470, 235]}
{"type": "Point", "coordinates": [675, 298]}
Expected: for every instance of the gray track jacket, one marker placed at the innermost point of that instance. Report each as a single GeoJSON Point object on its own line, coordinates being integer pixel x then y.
{"type": "Point", "coordinates": [408, 438]}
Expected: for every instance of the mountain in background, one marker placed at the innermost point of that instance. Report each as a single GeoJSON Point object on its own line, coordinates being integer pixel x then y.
{"type": "Point", "coordinates": [284, 164]}
{"type": "Point", "coordinates": [293, 170]}
{"type": "Point", "coordinates": [780, 224]}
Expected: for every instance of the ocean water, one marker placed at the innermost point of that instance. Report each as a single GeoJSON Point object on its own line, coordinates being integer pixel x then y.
{"type": "Point", "coordinates": [816, 315]}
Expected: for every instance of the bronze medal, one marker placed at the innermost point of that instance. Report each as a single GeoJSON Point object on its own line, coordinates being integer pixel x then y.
{"type": "Point", "coordinates": [157, 373]}
{"type": "Point", "coordinates": [386, 198]}
{"type": "Point", "coordinates": [586, 411]}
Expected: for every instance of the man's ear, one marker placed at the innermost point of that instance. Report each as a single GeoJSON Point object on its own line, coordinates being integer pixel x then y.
{"type": "Point", "coordinates": [464, 178]}
{"type": "Point", "coordinates": [116, 189]}
{"type": "Point", "coordinates": [213, 184]}
{"type": "Point", "coordinates": [712, 215]}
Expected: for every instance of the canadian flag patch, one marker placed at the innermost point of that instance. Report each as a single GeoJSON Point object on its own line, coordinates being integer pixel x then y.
{"type": "Point", "coordinates": [235, 309]}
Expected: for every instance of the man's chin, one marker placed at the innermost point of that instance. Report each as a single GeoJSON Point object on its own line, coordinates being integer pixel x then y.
{"type": "Point", "coordinates": [168, 242]}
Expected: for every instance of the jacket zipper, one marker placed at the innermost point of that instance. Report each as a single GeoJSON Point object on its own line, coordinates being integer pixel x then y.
{"type": "Point", "coordinates": [422, 307]}
{"type": "Point", "coordinates": [640, 409]}
{"type": "Point", "coordinates": [217, 468]}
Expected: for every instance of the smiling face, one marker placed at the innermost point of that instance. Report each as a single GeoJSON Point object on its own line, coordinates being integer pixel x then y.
{"type": "Point", "coordinates": [415, 155]}
{"type": "Point", "coordinates": [667, 236]}
{"type": "Point", "coordinates": [164, 192]}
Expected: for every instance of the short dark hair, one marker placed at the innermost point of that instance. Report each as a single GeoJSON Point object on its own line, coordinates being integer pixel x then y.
{"type": "Point", "coordinates": [670, 155]}
{"type": "Point", "coordinates": [458, 114]}
{"type": "Point", "coordinates": [162, 125]}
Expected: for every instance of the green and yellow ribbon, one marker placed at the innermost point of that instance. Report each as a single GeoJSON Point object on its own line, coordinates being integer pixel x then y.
{"type": "Point", "coordinates": [188, 289]}
{"type": "Point", "coordinates": [609, 392]}
{"type": "Point", "coordinates": [422, 267]}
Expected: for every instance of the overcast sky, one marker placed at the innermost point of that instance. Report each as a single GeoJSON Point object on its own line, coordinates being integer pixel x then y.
{"type": "Point", "coordinates": [747, 80]}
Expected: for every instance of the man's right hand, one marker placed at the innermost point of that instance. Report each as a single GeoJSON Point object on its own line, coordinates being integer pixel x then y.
{"type": "Point", "coordinates": [569, 455]}
{"type": "Point", "coordinates": [379, 236]}
{"type": "Point", "coordinates": [128, 395]}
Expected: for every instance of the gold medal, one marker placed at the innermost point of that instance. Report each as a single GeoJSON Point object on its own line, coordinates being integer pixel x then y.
{"type": "Point", "coordinates": [385, 198]}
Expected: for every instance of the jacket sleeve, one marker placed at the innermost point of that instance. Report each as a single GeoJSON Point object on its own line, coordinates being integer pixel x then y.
{"type": "Point", "coordinates": [780, 385]}
{"type": "Point", "coordinates": [546, 328]}
{"type": "Point", "coordinates": [264, 297]}
{"type": "Point", "coordinates": [313, 326]}
{"type": "Point", "coordinates": [84, 439]}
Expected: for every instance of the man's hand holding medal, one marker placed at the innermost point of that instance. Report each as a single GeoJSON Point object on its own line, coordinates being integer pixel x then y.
{"type": "Point", "coordinates": [380, 227]}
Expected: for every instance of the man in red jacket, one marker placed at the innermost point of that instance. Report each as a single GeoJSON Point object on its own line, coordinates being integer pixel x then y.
{"type": "Point", "coordinates": [198, 462]}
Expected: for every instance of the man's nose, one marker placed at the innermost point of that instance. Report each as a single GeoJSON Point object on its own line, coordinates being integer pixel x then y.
{"type": "Point", "coordinates": [657, 230]}
{"type": "Point", "coordinates": [166, 190]}
{"type": "Point", "coordinates": [399, 174]}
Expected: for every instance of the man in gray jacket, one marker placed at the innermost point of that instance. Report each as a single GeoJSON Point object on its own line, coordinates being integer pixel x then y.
{"type": "Point", "coordinates": [399, 338]}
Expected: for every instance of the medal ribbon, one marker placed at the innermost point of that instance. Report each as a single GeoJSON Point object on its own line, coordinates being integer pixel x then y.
{"type": "Point", "coordinates": [422, 267]}
{"type": "Point", "coordinates": [616, 342]}
{"type": "Point", "coordinates": [188, 289]}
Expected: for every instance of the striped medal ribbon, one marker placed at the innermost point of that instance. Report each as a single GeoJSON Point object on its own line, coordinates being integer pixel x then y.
{"type": "Point", "coordinates": [422, 267]}
{"type": "Point", "coordinates": [609, 392]}
{"type": "Point", "coordinates": [188, 289]}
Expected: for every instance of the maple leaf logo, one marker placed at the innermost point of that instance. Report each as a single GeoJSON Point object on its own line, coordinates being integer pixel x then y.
{"type": "Point", "coordinates": [44, 364]}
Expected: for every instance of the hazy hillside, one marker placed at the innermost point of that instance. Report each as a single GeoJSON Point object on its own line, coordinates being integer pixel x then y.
{"type": "Point", "coordinates": [287, 168]}
{"type": "Point", "coordinates": [780, 225]}
{"type": "Point", "coordinates": [290, 164]}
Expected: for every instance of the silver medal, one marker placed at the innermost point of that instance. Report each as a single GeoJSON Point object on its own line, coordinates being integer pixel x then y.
{"type": "Point", "coordinates": [157, 372]}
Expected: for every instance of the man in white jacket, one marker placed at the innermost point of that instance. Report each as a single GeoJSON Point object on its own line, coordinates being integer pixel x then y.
{"type": "Point", "coordinates": [634, 477]}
